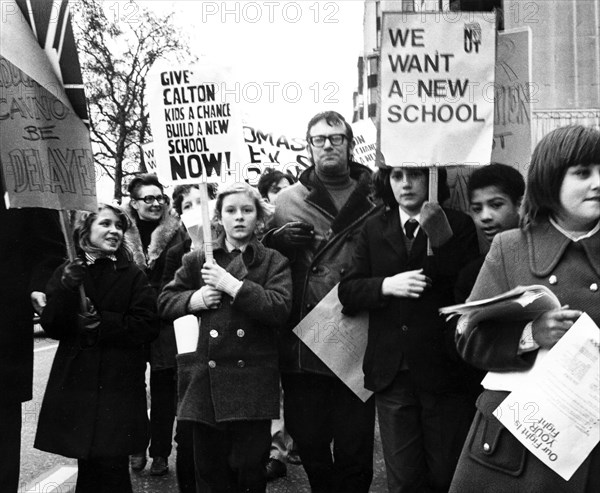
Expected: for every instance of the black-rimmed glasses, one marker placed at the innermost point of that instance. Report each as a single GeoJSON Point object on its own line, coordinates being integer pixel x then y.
{"type": "Point", "coordinates": [319, 140]}
{"type": "Point", "coordinates": [149, 199]}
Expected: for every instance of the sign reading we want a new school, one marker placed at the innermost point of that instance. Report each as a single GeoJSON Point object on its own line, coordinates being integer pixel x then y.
{"type": "Point", "coordinates": [437, 88]}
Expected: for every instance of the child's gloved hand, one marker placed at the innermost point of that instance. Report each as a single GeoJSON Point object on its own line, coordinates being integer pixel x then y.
{"type": "Point", "coordinates": [435, 224]}
{"type": "Point", "coordinates": [73, 274]}
{"type": "Point", "coordinates": [215, 276]}
{"type": "Point", "coordinates": [211, 296]}
{"type": "Point", "coordinates": [87, 325]}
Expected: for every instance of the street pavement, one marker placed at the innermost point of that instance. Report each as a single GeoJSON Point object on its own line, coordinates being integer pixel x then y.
{"type": "Point", "coordinates": [35, 463]}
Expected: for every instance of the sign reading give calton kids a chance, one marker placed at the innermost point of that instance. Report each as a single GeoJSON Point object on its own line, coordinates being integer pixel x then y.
{"type": "Point", "coordinates": [437, 78]}
{"type": "Point", "coordinates": [197, 132]}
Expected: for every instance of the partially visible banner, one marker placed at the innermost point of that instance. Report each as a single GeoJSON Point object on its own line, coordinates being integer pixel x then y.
{"type": "Point", "coordinates": [197, 133]}
{"type": "Point", "coordinates": [365, 143]}
{"type": "Point", "coordinates": [512, 99]}
{"type": "Point", "coordinates": [270, 149]}
{"type": "Point", "coordinates": [436, 69]}
{"type": "Point", "coordinates": [51, 25]}
{"type": "Point", "coordinates": [45, 150]}
{"type": "Point", "coordinates": [149, 159]}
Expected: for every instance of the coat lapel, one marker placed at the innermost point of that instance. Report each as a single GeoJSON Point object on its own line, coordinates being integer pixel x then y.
{"type": "Point", "coordinates": [392, 233]}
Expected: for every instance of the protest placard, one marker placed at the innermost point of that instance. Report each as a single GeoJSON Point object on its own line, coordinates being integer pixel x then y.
{"type": "Point", "coordinates": [365, 143]}
{"type": "Point", "coordinates": [197, 132]}
{"type": "Point", "coordinates": [45, 148]}
{"type": "Point", "coordinates": [436, 69]}
{"type": "Point", "coordinates": [338, 340]}
{"type": "Point", "coordinates": [271, 149]}
{"type": "Point", "coordinates": [512, 99]}
{"type": "Point", "coordinates": [149, 159]}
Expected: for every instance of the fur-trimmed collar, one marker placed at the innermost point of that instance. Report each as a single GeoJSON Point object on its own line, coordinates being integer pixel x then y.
{"type": "Point", "coordinates": [160, 238]}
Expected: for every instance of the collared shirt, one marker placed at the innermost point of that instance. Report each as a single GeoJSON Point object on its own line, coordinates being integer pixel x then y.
{"type": "Point", "coordinates": [230, 248]}
{"type": "Point", "coordinates": [573, 237]}
{"type": "Point", "coordinates": [91, 258]}
{"type": "Point", "coordinates": [404, 217]}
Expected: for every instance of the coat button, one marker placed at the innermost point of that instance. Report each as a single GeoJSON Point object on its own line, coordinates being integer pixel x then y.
{"type": "Point", "coordinates": [241, 363]}
{"type": "Point", "coordinates": [404, 328]}
{"type": "Point", "coordinates": [342, 271]}
{"type": "Point", "coordinates": [214, 333]}
{"type": "Point", "coordinates": [486, 447]}
{"type": "Point", "coordinates": [552, 279]}
{"type": "Point", "coordinates": [240, 333]}
{"type": "Point", "coordinates": [594, 287]}
{"type": "Point", "coordinates": [212, 364]}
{"type": "Point", "coordinates": [314, 269]}
{"type": "Point", "coordinates": [309, 306]}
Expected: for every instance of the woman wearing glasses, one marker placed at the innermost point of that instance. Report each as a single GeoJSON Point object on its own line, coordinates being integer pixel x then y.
{"type": "Point", "coordinates": [153, 232]}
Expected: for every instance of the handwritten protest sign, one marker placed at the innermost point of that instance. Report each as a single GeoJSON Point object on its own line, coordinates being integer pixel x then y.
{"type": "Point", "coordinates": [512, 99]}
{"type": "Point", "coordinates": [555, 412]}
{"type": "Point", "coordinates": [365, 143]}
{"type": "Point", "coordinates": [197, 132]}
{"type": "Point", "coordinates": [45, 148]}
{"type": "Point", "coordinates": [435, 70]}
{"type": "Point", "coordinates": [269, 149]}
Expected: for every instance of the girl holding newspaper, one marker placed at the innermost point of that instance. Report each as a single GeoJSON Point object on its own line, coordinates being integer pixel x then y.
{"type": "Point", "coordinates": [558, 246]}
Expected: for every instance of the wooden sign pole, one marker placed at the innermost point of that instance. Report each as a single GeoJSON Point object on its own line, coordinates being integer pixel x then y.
{"type": "Point", "coordinates": [65, 225]}
{"type": "Point", "coordinates": [206, 229]}
{"type": "Point", "coordinates": [433, 197]}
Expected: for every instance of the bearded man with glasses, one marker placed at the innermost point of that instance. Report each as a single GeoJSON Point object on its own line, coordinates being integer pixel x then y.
{"type": "Point", "coordinates": [154, 230]}
{"type": "Point", "coordinates": [315, 225]}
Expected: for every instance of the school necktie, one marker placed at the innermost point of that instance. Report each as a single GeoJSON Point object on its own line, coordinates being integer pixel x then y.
{"type": "Point", "coordinates": [409, 227]}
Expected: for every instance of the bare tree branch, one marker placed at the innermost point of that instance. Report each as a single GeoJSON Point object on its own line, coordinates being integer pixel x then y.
{"type": "Point", "coordinates": [116, 59]}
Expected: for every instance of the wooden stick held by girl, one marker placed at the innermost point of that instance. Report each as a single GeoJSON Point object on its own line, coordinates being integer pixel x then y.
{"type": "Point", "coordinates": [229, 386]}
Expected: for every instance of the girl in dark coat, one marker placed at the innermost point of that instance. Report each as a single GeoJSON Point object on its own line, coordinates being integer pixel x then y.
{"type": "Point", "coordinates": [229, 386]}
{"type": "Point", "coordinates": [558, 245]}
{"type": "Point", "coordinates": [94, 408]}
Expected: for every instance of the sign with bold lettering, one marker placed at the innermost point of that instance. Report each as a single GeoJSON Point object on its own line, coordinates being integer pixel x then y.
{"type": "Point", "coordinates": [272, 150]}
{"type": "Point", "coordinates": [45, 150]}
{"type": "Point", "coordinates": [149, 160]}
{"type": "Point", "coordinates": [197, 132]}
{"type": "Point", "coordinates": [365, 143]}
{"type": "Point", "coordinates": [436, 70]}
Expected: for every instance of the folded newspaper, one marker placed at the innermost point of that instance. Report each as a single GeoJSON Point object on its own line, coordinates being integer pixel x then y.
{"type": "Point", "coordinates": [520, 303]}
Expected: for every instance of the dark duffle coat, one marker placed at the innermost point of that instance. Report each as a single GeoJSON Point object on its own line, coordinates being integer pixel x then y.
{"type": "Point", "coordinates": [233, 374]}
{"type": "Point", "coordinates": [95, 400]}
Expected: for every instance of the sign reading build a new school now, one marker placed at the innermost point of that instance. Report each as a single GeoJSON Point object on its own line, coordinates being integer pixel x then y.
{"type": "Point", "coordinates": [197, 132]}
{"type": "Point", "coordinates": [435, 69]}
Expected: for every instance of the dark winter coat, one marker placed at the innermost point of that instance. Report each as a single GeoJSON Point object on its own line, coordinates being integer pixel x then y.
{"type": "Point", "coordinates": [407, 329]}
{"type": "Point", "coordinates": [316, 269]}
{"type": "Point", "coordinates": [233, 374]}
{"type": "Point", "coordinates": [571, 271]}
{"type": "Point", "coordinates": [31, 247]}
{"type": "Point", "coordinates": [95, 400]}
{"type": "Point", "coordinates": [167, 234]}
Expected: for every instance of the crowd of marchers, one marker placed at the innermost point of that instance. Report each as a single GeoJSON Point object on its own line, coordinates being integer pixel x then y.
{"type": "Point", "coordinates": [251, 396]}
